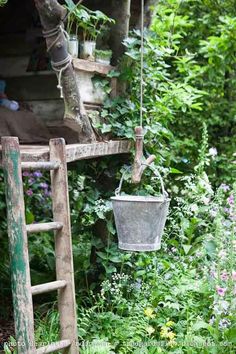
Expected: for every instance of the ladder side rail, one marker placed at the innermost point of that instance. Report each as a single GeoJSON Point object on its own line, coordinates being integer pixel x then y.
{"type": "Point", "coordinates": [18, 246]}
{"type": "Point", "coordinates": [63, 246]}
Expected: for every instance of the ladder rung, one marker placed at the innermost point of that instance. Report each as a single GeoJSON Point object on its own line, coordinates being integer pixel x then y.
{"type": "Point", "coordinates": [54, 347]}
{"type": "Point", "coordinates": [45, 288]}
{"type": "Point", "coordinates": [51, 165]}
{"type": "Point", "coordinates": [48, 226]}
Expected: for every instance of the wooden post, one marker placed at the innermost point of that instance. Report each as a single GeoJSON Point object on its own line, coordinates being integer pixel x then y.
{"type": "Point", "coordinates": [63, 246]}
{"type": "Point", "coordinates": [139, 162]}
{"type": "Point", "coordinates": [18, 245]}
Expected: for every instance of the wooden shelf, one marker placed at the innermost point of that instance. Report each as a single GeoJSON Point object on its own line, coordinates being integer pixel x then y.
{"type": "Point", "coordinates": [92, 66]}
{"type": "Point", "coordinates": [75, 152]}
{"type": "Point", "coordinates": [17, 66]}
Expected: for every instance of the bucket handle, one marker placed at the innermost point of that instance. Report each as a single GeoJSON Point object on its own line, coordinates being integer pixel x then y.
{"type": "Point", "coordinates": [156, 173]}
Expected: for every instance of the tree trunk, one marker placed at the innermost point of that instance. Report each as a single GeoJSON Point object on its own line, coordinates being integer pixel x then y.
{"type": "Point", "coordinates": [121, 14]}
{"type": "Point", "coordinates": [51, 15]}
{"type": "Point", "coordinates": [147, 13]}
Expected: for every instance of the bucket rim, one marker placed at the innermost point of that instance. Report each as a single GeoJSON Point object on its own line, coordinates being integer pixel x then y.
{"type": "Point", "coordinates": [140, 198]}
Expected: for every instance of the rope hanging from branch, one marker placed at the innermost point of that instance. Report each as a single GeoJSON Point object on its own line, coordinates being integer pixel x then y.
{"type": "Point", "coordinates": [139, 161]}
{"type": "Point", "coordinates": [60, 66]}
{"type": "Point", "coordinates": [141, 66]}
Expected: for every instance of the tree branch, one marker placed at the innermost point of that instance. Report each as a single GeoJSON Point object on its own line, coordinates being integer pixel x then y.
{"type": "Point", "coordinates": [51, 15]}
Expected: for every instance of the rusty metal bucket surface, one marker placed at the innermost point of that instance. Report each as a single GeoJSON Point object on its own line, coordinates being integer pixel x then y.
{"type": "Point", "coordinates": [140, 220]}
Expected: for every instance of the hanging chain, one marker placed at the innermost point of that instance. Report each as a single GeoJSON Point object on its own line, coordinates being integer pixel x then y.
{"type": "Point", "coordinates": [141, 69]}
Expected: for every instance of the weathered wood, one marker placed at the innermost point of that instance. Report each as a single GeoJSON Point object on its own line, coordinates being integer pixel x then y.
{"type": "Point", "coordinates": [18, 244]}
{"type": "Point", "coordinates": [113, 87]}
{"type": "Point", "coordinates": [43, 227]}
{"type": "Point", "coordinates": [139, 162]}
{"type": "Point", "coordinates": [51, 15]}
{"type": "Point", "coordinates": [47, 287]}
{"type": "Point", "coordinates": [92, 66]}
{"type": "Point", "coordinates": [50, 165]}
{"type": "Point", "coordinates": [63, 245]}
{"type": "Point", "coordinates": [54, 347]}
{"type": "Point", "coordinates": [75, 152]}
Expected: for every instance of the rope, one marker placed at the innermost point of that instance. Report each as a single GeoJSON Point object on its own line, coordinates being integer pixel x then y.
{"type": "Point", "coordinates": [141, 69]}
{"type": "Point", "coordinates": [61, 66]}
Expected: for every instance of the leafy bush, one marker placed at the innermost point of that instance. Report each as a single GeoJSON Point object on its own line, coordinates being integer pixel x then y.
{"type": "Point", "coordinates": [180, 299]}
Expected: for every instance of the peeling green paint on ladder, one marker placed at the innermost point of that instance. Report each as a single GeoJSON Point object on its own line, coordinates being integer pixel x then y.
{"type": "Point", "coordinates": [18, 246]}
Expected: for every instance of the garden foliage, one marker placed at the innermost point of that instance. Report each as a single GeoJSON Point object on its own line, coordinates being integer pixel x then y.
{"type": "Point", "coordinates": [180, 299]}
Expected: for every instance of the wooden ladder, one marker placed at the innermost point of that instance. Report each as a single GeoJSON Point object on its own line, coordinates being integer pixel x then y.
{"type": "Point", "coordinates": [18, 231]}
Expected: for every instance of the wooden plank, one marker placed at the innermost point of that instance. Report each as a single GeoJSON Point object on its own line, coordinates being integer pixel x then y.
{"type": "Point", "coordinates": [18, 246]}
{"type": "Point", "coordinates": [54, 347]}
{"type": "Point", "coordinates": [42, 227]}
{"type": "Point", "coordinates": [47, 287]}
{"type": "Point", "coordinates": [92, 66]}
{"type": "Point", "coordinates": [16, 66]}
{"type": "Point", "coordinates": [63, 245]}
{"type": "Point", "coordinates": [74, 152]}
{"type": "Point", "coordinates": [40, 165]}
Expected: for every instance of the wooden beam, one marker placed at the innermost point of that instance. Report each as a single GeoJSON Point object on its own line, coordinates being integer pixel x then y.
{"type": "Point", "coordinates": [75, 152]}
{"type": "Point", "coordinates": [47, 165]}
{"type": "Point", "coordinates": [47, 287]}
{"type": "Point", "coordinates": [92, 66]}
{"type": "Point", "coordinates": [63, 245]}
{"type": "Point", "coordinates": [18, 246]}
{"type": "Point", "coordinates": [54, 347]}
{"type": "Point", "coordinates": [42, 227]}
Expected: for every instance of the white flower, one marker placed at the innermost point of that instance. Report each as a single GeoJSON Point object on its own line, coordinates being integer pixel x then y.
{"type": "Point", "coordinates": [194, 208]}
{"type": "Point", "coordinates": [213, 152]}
{"type": "Point", "coordinates": [222, 254]}
{"type": "Point", "coordinates": [206, 200]}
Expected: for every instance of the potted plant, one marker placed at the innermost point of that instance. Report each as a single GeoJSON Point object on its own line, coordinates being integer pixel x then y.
{"type": "Point", "coordinates": [92, 24]}
{"type": "Point", "coordinates": [89, 23]}
{"type": "Point", "coordinates": [72, 29]}
{"type": "Point", "coordinates": [103, 56]}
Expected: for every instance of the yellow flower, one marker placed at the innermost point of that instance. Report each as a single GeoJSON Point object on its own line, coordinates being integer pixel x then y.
{"type": "Point", "coordinates": [171, 335]}
{"type": "Point", "coordinates": [149, 312]}
{"type": "Point", "coordinates": [164, 332]}
{"type": "Point", "coordinates": [172, 343]}
{"type": "Point", "coordinates": [170, 324]}
{"type": "Point", "coordinates": [150, 330]}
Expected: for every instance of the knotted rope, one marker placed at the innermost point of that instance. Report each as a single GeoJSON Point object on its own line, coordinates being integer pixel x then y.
{"type": "Point", "coordinates": [60, 66]}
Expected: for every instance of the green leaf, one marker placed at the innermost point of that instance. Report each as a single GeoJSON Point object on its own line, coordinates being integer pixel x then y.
{"type": "Point", "coordinates": [231, 335]}
{"type": "Point", "coordinates": [200, 325]}
{"type": "Point", "coordinates": [187, 248]}
{"type": "Point", "coordinates": [29, 217]}
{"type": "Point", "coordinates": [175, 171]}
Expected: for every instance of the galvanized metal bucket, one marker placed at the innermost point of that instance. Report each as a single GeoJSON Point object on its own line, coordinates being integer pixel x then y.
{"type": "Point", "coordinates": [140, 220]}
